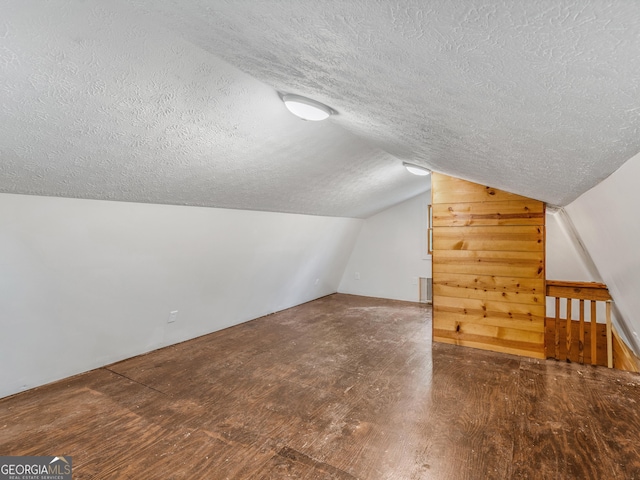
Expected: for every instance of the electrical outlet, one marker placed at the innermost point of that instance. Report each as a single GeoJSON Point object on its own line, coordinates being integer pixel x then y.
{"type": "Point", "coordinates": [317, 281]}
{"type": "Point", "coordinates": [173, 316]}
{"type": "Point", "coordinates": [357, 275]}
{"type": "Point", "coordinates": [414, 280]}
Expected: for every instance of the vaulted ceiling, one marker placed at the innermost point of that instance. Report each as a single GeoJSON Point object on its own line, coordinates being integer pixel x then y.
{"type": "Point", "coordinates": [176, 101]}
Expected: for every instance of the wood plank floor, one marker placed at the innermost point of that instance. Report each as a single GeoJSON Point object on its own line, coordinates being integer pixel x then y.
{"type": "Point", "coordinates": [344, 387]}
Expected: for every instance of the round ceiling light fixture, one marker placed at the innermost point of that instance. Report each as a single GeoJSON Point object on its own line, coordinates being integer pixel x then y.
{"type": "Point", "coordinates": [416, 169]}
{"type": "Point", "coordinates": [306, 108]}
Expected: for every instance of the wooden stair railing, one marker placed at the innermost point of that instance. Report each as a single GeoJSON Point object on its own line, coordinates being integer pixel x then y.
{"type": "Point", "coordinates": [584, 292]}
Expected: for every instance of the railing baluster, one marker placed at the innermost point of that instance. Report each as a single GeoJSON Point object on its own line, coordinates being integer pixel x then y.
{"type": "Point", "coordinates": [609, 337]}
{"type": "Point", "coordinates": [594, 334]}
{"type": "Point", "coordinates": [569, 303]}
{"type": "Point", "coordinates": [581, 334]}
{"type": "Point", "coordinates": [557, 328]}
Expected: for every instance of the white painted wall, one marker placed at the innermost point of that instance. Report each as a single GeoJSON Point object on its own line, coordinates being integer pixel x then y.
{"type": "Point", "coordinates": [84, 283]}
{"type": "Point", "coordinates": [608, 222]}
{"type": "Point", "coordinates": [390, 253]}
{"type": "Point", "coordinates": [564, 261]}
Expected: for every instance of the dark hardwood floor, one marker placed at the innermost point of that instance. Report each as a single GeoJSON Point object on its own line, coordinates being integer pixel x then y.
{"type": "Point", "coordinates": [343, 387]}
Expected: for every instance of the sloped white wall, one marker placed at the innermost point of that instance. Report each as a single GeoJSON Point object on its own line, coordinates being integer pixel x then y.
{"type": "Point", "coordinates": [564, 261]}
{"type": "Point", "coordinates": [390, 253]}
{"type": "Point", "coordinates": [84, 283]}
{"type": "Point", "coordinates": [607, 219]}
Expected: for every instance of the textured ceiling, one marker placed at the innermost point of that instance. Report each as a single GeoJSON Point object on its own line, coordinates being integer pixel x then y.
{"type": "Point", "coordinates": [176, 101]}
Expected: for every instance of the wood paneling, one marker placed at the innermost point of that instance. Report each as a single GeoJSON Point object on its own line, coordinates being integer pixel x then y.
{"type": "Point", "coordinates": [489, 287]}
{"type": "Point", "coordinates": [440, 289]}
{"type": "Point", "coordinates": [456, 190]}
{"type": "Point", "coordinates": [488, 268]}
{"type": "Point", "coordinates": [510, 327]}
{"type": "Point", "coordinates": [517, 212]}
{"type": "Point", "coordinates": [501, 264]}
{"type": "Point", "coordinates": [488, 342]}
{"type": "Point", "coordinates": [475, 326]}
{"type": "Point", "coordinates": [501, 238]}
{"type": "Point", "coordinates": [489, 307]}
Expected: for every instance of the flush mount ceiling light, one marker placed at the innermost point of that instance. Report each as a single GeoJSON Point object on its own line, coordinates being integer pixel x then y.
{"type": "Point", "coordinates": [306, 108]}
{"type": "Point", "coordinates": [416, 170]}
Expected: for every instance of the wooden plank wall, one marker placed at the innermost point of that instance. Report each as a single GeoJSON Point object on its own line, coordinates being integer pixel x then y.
{"type": "Point", "coordinates": [488, 268]}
